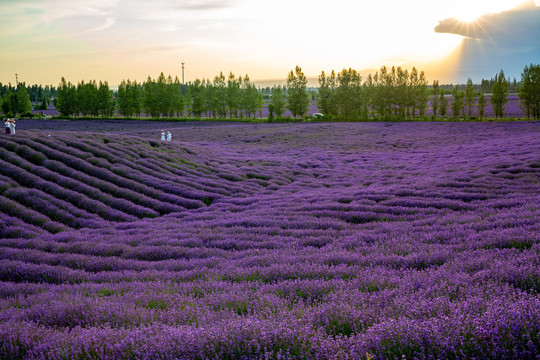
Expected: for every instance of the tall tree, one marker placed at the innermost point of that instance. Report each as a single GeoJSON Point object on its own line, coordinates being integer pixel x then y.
{"type": "Point", "coordinates": [278, 101]}
{"type": "Point", "coordinates": [6, 103]}
{"type": "Point", "coordinates": [297, 95]}
{"type": "Point", "coordinates": [122, 98]}
{"type": "Point", "coordinates": [220, 86]}
{"type": "Point", "coordinates": [529, 91]}
{"type": "Point", "coordinates": [66, 100]}
{"type": "Point", "coordinates": [178, 98]}
{"type": "Point", "coordinates": [435, 93]}
{"type": "Point", "coordinates": [105, 99]}
{"type": "Point", "coordinates": [469, 97]}
{"type": "Point", "coordinates": [196, 91]}
{"type": "Point", "coordinates": [443, 104]}
{"type": "Point", "coordinates": [457, 102]}
{"type": "Point", "coordinates": [422, 97]}
{"type": "Point", "coordinates": [249, 97]}
{"type": "Point", "coordinates": [349, 94]}
{"type": "Point", "coordinates": [233, 94]}
{"type": "Point", "coordinates": [481, 105]}
{"type": "Point", "coordinates": [327, 94]}
{"type": "Point", "coordinates": [150, 97]}
{"type": "Point", "coordinates": [499, 95]}
{"type": "Point", "coordinates": [24, 104]}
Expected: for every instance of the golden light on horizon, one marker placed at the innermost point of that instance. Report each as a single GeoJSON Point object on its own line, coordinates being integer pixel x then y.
{"type": "Point", "coordinates": [133, 39]}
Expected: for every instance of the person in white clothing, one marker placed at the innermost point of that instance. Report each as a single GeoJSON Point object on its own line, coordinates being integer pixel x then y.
{"type": "Point", "coordinates": [12, 126]}
{"type": "Point", "coordinates": [162, 135]}
{"type": "Point", "coordinates": [169, 136]}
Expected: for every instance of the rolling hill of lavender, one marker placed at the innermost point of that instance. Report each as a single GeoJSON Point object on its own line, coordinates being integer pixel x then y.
{"type": "Point", "coordinates": [270, 241]}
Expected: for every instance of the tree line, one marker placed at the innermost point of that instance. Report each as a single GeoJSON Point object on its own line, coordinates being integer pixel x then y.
{"type": "Point", "coordinates": [390, 94]}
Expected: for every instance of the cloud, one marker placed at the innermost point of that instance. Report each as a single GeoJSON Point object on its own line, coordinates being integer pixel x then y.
{"type": "Point", "coordinates": [507, 40]}
{"type": "Point", "coordinates": [204, 4]}
{"type": "Point", "coordinates": [521, 25]}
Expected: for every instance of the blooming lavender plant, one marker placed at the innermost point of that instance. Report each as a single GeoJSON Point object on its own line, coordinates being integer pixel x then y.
{"type": "Point", "coordinates": [275, 241]}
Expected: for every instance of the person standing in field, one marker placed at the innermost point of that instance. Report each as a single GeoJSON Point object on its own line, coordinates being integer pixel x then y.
{"type": "Point", "coordinates": [162, 135]}
{"type": "Point", "coordinates": [8, 128]}
{"type": "Point", "coordinates": [12, 126]}
{"type": "Point", "coordinates": [169, 136]}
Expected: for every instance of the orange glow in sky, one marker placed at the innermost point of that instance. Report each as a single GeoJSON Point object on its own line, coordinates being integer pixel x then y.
{"type": "Point", "coordinates": [113, 40]}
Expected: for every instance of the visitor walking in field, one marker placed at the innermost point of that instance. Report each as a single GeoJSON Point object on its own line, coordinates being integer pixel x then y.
{"type": "Point", "coordinates": [169, 136]}
{"type": "Point", "coordinates": [12, 126]}
{"type": "Point", "coordinates": [8, 128]}
{"type": "Point", "coordinates": [162, 135]}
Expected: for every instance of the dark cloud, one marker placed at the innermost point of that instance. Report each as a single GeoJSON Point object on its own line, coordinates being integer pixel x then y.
{"type": "Point", "coordinates": [508, 40]}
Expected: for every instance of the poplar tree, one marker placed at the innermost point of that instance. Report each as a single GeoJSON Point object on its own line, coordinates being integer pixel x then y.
{"type": "Point", "coordinates": [297, 95]}
{"type": "Point", "coordinates": [6, 103]}
{"type": "Point", "coordinates": [220, 86]}
{"type": "Point", "coordinates": [105, 99]}
{"type": "Point", "coordinates": [499, 95]}
{"type": "Point", "coordinates": [349, 94]}
{"type": "Point", "coordinates": [443, 104]}
{"type": "Point", "coordinates": [196, 91]}
{"type": "Point", "coordinates": [529, 91]}
{"type": "Point", "coordinates": [422, 97]}
{"type": "Point", "coordinates": [327, 94]}
{"type": "Point", "coordinates": [457, 103]}
{"type": "Point", "coordinates": [481, 105]}
{"type": "Point", "coordinates": [469, 97]}
{"type": "Point", "coordinates": [24, 105]}
{"type": "Point", "coordinates": [66, 98]}
{"type": "Point", "coordinates": [278, 101]}
{"type": "Point", "coordinates": [233, 94]}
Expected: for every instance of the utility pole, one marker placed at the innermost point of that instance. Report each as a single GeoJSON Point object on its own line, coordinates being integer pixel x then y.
{"type": "Point", "coordinates": [183, 73]}
{"type": "Point", "coordinates": [17, 80]}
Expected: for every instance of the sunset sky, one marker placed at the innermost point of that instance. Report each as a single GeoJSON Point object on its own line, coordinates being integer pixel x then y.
{"type": "Point", "coordinates": [43, 40]}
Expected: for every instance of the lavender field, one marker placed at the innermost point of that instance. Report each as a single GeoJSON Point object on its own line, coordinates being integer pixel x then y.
{"type": "Point", "coordinates": [270, 241]}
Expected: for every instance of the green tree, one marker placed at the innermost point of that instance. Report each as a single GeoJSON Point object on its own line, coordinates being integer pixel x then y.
{"type": "Point", "coordinates": [87, 98]}
{"type": "Point", "coordinates": [443, 104]}
{"type": "Point", "coordinates": [122, 98]}
{"type": "Point", "coordinates": [369, 93]}
{"type": "Point", "coordinates": [529, 91]}
{"type": "Point", "coordinates": [220, 86]}
{"type": "Point", "coordinates": [278, 101]}
{"type": "Point", "coordinates": [197, 94]}
{"type": "Point", "coordinates": [105, 99]}
{"type": "Point", "coordinates": [499, 95]}
{"type": "Point", "coordinates": [349, 94]}
{"type": "Point", "coordinates": [402, 91]}
{"type": "Point", "coordinates": [24, 105]}
{"type": "Point", "coordinates": [327, 94]}
{"type": "Point", "coordinates": [151, 97]}
{"type": "Point", "coordinates": [481, 105]}
{"type": "Point", "coordinates": [178, 98]}
{"type": "Point", "coordinates": [66, 98]}
{"type": "Point", "coordinates": [457, 102]}
{"type": "Point", "coordinates": [249, 97]}
{"type": "Point", "coordinates": [384, 95]}
{"type": "Point", "coordinates": [6, 103]}
{"type": "Point", "coordinates": [297, 95]}
{"type": "Point", "coordinates": [435, 98]}
{"type": "Point", "coordinates": [469, 97]}
{"type": "Point", "coordinates": [233, 94]}
{"type": "Point", "coordinates": [421, 92]}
